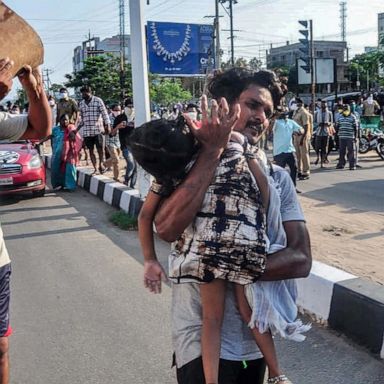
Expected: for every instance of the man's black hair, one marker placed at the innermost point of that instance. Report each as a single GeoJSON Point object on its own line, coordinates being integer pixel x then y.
{"type": "Point", "coordinates": [163, 148]}
{"type": "Point", "coordinates": [86, 89]}
{"type": "Point", "coordinates": [192, 105]}
{"type": "Point", "coordinates": [128, 101]}
{"type": "Point", "coordinates": [64, 115]}
{"type": "Point", "coordinates": [63, 89]}
{"type": "Point", "coordinates": [233, 82]}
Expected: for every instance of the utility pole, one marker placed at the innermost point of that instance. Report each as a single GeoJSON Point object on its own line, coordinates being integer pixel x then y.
{"type": "Point", "coordinates": [343, 23]}
{"type": "Point", "coordinates": [217, 34]}
{"type": "Point", "coordinates": [122, 48]}
{"type": "Point", "coordinates": [46, 79]}
{"type": "Point", "coordinates": [232, 37]}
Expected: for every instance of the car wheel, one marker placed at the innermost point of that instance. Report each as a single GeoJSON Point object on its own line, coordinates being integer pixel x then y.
{"type": "Point", "coordinates": [39, 193]}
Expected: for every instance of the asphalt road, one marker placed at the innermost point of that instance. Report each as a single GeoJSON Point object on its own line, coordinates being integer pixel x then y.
{"type": "Point", "coordinates": [81, 315]}
{"type": "Point", "coordinates": [360, 189]}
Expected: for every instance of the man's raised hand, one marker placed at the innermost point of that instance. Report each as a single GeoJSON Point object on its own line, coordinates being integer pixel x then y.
{"type": "Point", "coordinates": [216, 126]}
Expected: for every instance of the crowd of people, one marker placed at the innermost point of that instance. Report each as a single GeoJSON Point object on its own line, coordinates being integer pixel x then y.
{"type": "Point", "coordinates": [232, 215]}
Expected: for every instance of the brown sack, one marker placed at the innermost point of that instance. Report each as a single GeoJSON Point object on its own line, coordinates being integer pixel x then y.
{"type": "Point", "coordinates": [19, 41]}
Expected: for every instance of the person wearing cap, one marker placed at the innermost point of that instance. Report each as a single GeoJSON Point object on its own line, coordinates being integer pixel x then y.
{"type": "Point", "coordinates": [301, 142]}
{"type": "Point", "coordinates": [66, 106]}
{"type": "Point", "coordinates": [347, 128]}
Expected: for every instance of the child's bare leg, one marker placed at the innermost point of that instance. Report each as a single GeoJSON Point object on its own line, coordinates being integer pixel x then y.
{"type": "Point", "coordinates": [263, 340]}
{"type": "Point", "coordinates": [213, 302]}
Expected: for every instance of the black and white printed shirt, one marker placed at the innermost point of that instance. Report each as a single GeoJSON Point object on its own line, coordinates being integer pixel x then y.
{"type": "Point", "coordinates": [94, 116]}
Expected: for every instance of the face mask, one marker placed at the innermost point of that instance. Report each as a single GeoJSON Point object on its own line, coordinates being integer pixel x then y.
{"type": "Point", "coordinates": [52, 103]}
{"type": "Point", "coordinates": [346, 113]}
{"type": "Point", "coordinates": [192, 115]}
{"type": "Point", "coordinates": [63, 95]}
{"type": "Point", "coordinates": [353, 107]}
{"type": "Point", "coordinates": [128, 111]}
{"type": "Point", "coordinates": [116, 113]}
{"type": "Point", "coordinates": [294, 107]}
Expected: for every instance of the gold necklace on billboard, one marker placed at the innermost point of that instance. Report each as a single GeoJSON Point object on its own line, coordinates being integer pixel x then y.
{"type": "Point", "coordinates": [162, 51]}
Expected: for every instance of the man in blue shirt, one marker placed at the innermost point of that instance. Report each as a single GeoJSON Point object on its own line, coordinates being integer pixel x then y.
{"type": "Point", "coordinates": [283, 148]}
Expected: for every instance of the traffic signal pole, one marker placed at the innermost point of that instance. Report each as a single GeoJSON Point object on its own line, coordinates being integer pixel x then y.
{"type": "Point", "coordinates": [312, 63]}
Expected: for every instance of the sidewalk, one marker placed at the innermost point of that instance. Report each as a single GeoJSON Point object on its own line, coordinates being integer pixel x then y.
{"type": "Point", "coordinates": [347, 303]}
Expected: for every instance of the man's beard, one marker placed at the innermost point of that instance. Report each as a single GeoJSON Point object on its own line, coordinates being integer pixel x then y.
{"type": "Point", "coordinates": [254, 131]}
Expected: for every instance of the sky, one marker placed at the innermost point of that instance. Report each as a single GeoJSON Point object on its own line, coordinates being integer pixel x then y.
{"type": "Point", "coordinates": [64, 24]}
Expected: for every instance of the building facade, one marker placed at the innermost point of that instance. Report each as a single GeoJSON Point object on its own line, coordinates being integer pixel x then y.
{"type": "Point", "coordinates": [94, 46]}
{"type": "Point", "coordinates": [288, 54]}
{"type": "Point", "coordinates": [380, 28]}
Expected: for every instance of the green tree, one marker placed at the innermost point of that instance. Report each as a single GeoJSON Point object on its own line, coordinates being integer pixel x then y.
{"type": "Point", "coordinates": [167, 91]}
{"type": "Point", "coordinates": [56, 87]}
{"type": "Point", "coordinates": [366, 66]}
{"type": "Point", "coordinates": [255, 64]}
{"type": "Point", "coordinates": [102, 73]}
{"type": "Point", "coordinates": [21, 97]}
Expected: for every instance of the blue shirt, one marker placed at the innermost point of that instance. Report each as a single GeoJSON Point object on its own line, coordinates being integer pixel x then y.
{"type": "Point", "coordinates": [282, 136]}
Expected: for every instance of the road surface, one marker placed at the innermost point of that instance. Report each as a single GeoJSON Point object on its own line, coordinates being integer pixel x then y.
{"type": "Point", "coordinates": [81, 315]}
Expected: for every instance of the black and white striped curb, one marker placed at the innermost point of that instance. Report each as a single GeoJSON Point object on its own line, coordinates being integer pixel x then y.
{"type": "Point", "coordinates": [113, 193]}
{"type": "Point", "coordinates": [347, 303]}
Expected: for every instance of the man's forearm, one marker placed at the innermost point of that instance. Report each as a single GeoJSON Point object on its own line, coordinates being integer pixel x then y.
{"type": "Point", "coordinates": [178, 211]}
{"type": "Point", "coordinates": [39, 114]}
{"type": "Point", "coordinates": [295, 260]}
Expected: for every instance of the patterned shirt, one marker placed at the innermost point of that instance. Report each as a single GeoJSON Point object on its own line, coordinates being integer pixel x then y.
{"type": "Point", "coordinates": [93, 115]}
{"type": "Point", "coordinates": [227, 238]}
{"type": "Point", "coordinates": [347, 126]}
{"type": "Point", "coordinates": [112, 141]}
{"type": "Point", "coordinates": [67, 107]}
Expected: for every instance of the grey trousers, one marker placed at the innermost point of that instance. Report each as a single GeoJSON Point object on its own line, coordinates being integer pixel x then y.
{"type": "Point", "coordinates": [347, 146]}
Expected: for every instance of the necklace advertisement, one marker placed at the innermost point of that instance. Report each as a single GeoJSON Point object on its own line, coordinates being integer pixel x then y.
{"type": "Point", "coordinates": [177, 49]}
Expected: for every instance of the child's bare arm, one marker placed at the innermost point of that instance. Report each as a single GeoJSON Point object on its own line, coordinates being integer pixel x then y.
{"type": "Point", "coordinates": [153, 271]}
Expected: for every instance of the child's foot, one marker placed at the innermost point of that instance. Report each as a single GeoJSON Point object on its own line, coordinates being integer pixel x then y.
{"type": "Point", "coordinates": [282, 379]}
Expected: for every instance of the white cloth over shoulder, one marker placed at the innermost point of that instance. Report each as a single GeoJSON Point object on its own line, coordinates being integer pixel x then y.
{"type": "Point", "coordinates": [273, 303]}
{"type": "Point", "coordinates": [12, 127]}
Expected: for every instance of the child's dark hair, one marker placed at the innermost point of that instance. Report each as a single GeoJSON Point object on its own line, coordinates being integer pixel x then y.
{"type": "Point", "coordinates": [233, 82]}
{"type": "Point", "coordinates": [163, 148]}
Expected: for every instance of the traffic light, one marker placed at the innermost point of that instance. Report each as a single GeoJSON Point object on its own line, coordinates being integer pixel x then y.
{"type": "Point", "coordinates": [305, 48]}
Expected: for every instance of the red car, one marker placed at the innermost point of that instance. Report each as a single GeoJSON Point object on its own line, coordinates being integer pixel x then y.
{"type": "Point", "coordinates": [21, 168]}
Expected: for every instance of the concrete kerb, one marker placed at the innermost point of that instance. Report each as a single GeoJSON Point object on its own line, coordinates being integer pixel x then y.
{"type": "Point", "coordinates": [346, 303]}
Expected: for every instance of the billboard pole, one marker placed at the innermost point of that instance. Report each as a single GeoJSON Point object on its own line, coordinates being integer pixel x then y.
{"type": "Point", "coordinates": [140, 87]}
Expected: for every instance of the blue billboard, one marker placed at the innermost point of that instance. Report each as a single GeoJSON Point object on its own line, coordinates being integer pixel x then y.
{"type": "Point", "coordinates": [176, 49]}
